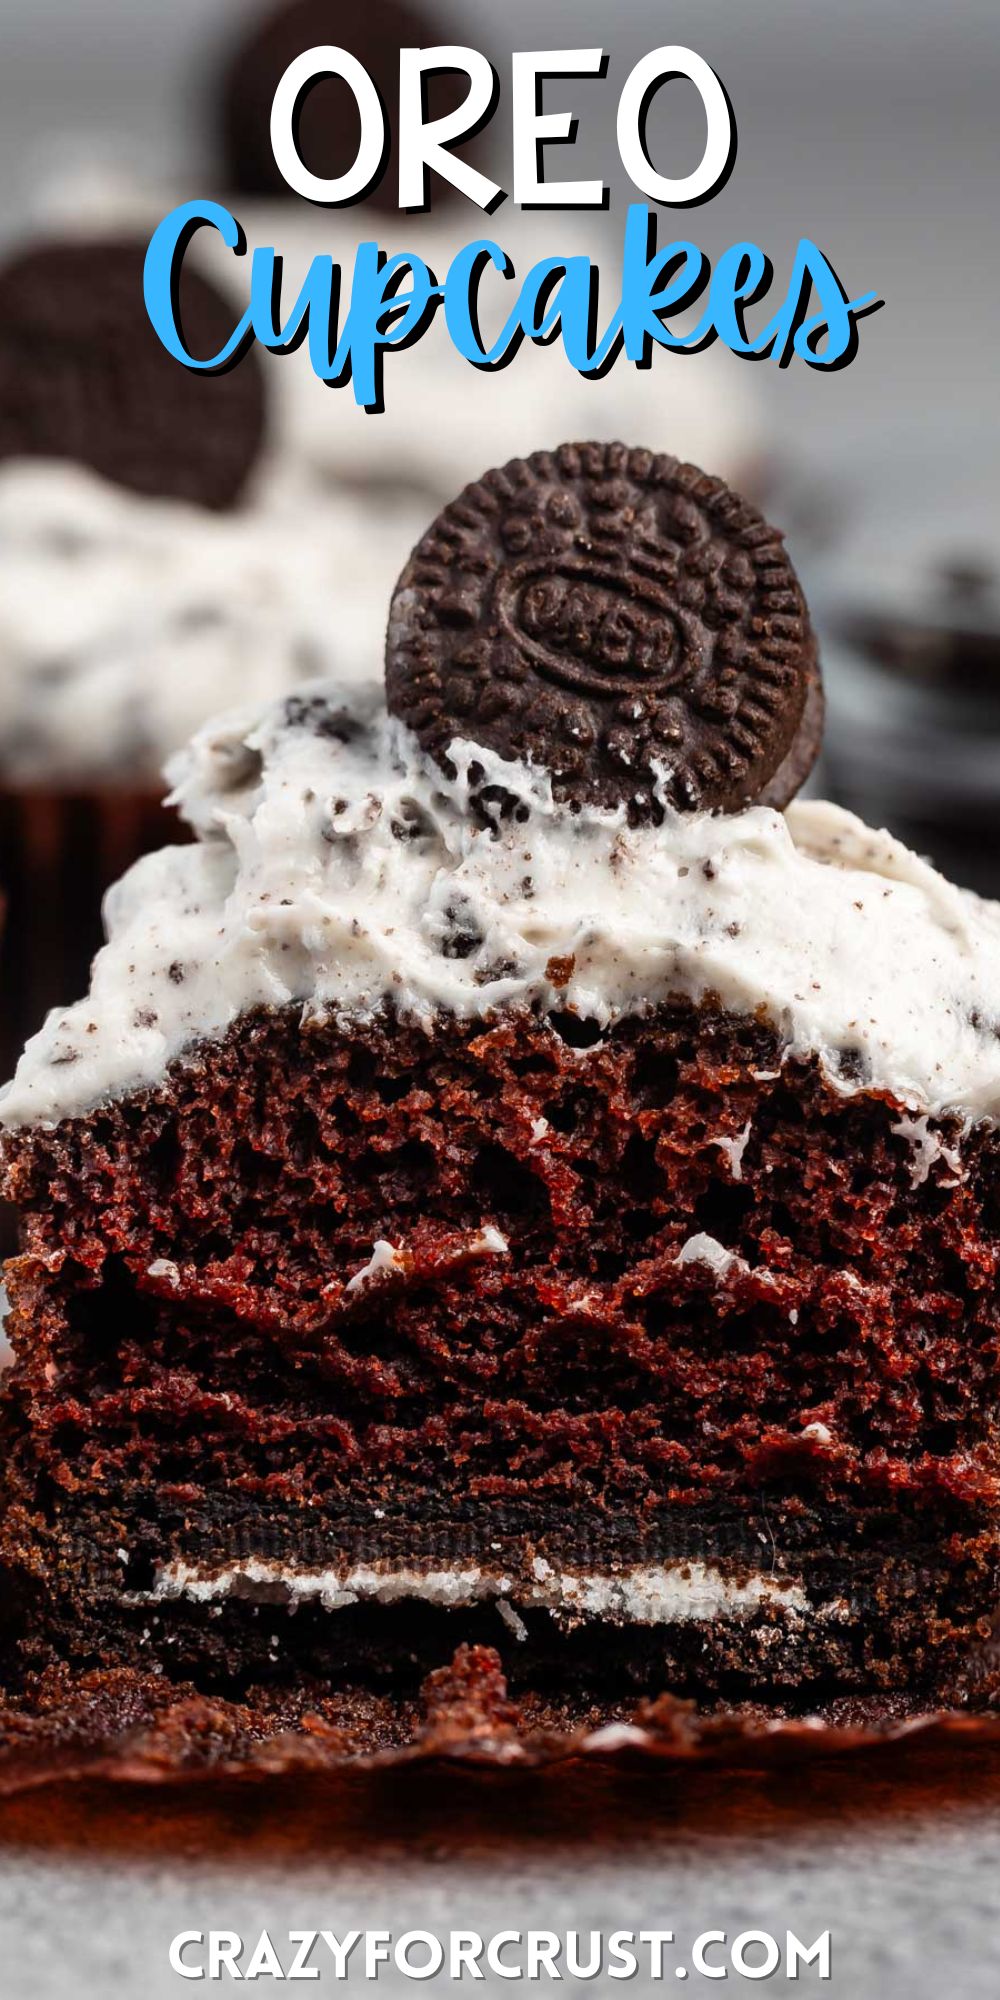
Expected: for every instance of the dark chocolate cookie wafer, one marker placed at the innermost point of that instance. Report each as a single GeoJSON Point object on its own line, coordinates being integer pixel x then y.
{"type": "Point", "coordinates": [83, 376]}
{"type": "Point", "coordinates": [619, 618]}
{"type": "Point", "coordinates": [329, 128]}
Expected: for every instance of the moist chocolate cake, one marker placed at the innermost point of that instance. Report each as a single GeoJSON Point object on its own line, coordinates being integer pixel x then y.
{"type": "Point", "coordinates": [508, 1184]}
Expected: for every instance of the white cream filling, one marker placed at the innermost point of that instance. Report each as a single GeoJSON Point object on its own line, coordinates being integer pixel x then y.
{"type": "Point", "coordinates": [486, 1242]}
{"type": "Point", "coordinates": [648, 1594]}
{"type": "Point", "coordinates": [927, 1149]}
{"type": "Point", "coordinates": [708, 1251]}
{"type": "Point", "coordinates": [336, 868]}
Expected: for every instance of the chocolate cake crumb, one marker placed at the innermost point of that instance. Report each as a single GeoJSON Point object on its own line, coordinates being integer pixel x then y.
{"type": "Point", "coordinates": [197, 1383]}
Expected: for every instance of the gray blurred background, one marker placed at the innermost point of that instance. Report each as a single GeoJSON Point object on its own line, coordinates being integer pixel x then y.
{"type": "Point", "coordinates": [870, 125]}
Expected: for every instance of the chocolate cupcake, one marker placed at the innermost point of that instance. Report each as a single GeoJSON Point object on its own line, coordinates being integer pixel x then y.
{"type": "Point", "coordinates": [157, 562]}
{"type": "Point", "coordinates": [477, 1206]}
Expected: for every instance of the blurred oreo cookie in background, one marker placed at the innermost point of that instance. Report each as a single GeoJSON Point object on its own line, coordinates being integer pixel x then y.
{"type": "Point", "coordinates": [913, 690]}
{"type": "Point", "coordinates": [329, 128]}
{"type": "Point", "coordinates": [83, 376]}
{"type": "Point", "coordinates": [160, 559]}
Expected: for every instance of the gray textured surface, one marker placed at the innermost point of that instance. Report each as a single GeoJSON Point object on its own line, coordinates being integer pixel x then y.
{"type": "Point", "coordinates": [901, 1861]}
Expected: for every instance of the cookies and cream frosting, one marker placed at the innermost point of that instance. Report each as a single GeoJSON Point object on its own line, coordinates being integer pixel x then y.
{"type": "Point", "coordinates": [337, 869]}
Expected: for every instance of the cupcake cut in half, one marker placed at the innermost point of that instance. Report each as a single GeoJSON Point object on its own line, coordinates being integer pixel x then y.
{"type": "Point", "coordinates": [516, 1176]}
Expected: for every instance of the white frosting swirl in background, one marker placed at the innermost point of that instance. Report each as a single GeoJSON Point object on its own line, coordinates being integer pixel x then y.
{"type": "Point", "coordinates": [124, 621]}
{"type": "Point", "coordinates": [444, 421]}
{"type": "Point", "coordinates": [337, 869]}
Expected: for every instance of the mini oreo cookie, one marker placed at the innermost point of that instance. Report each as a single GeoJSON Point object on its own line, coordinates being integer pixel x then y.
{"type": "Point", "coordinates": [83, 376]}
{"type": "Point", "coordinates": [329, 128]}
{"type": "Point", "coordinates": [619, 618]}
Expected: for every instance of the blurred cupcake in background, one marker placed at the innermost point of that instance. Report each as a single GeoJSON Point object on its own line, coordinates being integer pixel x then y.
{"type": "Point", "coordinates": [442, 416]}
{"type": "Point", "coordinates": [158, 561]}
{"type": "Point", "coordinates": [436, 403]}
{"type": "Point", "coordinates": [170, 543]}
{"type": "Point", "coordinates": [912, 652]}
{"type": "Point", "coordinates": [904, 584]}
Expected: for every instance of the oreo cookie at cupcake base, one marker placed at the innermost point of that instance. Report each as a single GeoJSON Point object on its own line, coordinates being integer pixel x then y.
{"type": "Point", "coordinates": [620, 619]}
{"type": "Point", "coordinates": [84, 377]}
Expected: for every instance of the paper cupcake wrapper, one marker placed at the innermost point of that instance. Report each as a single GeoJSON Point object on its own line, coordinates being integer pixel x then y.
{"type": "Point", "coordinates": [122, 1728]}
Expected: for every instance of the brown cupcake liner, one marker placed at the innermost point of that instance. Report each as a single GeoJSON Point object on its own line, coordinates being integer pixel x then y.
{"type": "Point", "coordinates": [124, 1728]}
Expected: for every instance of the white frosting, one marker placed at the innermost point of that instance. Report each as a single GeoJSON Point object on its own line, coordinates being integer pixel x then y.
{"type": "Point", "coordinates": [164, 1267]}
{"type": "Point", "coordinates": [384, 1257]}
{"type": "Point", "coordinates": [734, 1149]}
{"type": "Point", "coordinates": [928, 1148]}
{"type": "Point", "coordinates": [646, 1594]}
{"type": "Point", "coordinates": [821, 1433]}
{"type": "Point", "coordinates": [486, 1242]}
{"type": "Point", "coordinates": [124, 621]}
{"type": "Point", "coordinates": [707, 1250]}
{"type": "Point", "coordinates": [342, 874]}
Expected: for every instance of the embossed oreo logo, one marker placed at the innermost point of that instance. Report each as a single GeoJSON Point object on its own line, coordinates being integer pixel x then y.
{"type": "Point", "coordinates": [619, 619]}
{"type": "Point", "coordinates": [592, 632]}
